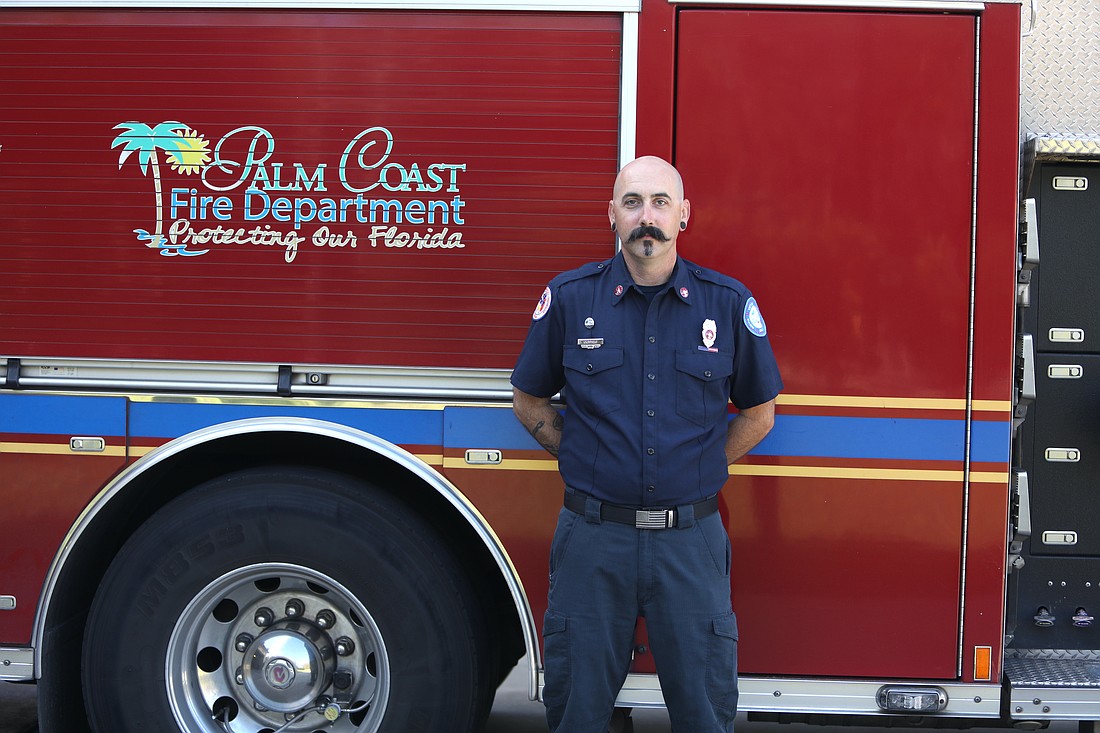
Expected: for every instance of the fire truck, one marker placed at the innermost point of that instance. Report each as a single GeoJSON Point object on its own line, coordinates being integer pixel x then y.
{"type": "Point", "coordinates": [267, 266]}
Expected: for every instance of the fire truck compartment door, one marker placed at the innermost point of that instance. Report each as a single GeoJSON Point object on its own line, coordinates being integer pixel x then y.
{"type": "Point", "coordinates": [828, 158]}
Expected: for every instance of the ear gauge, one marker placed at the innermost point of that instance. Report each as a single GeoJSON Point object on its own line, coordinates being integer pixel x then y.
{"type": "Point", "coordinates": [612, 226]}
{"type": "Point", "coordinates": [683, 225]}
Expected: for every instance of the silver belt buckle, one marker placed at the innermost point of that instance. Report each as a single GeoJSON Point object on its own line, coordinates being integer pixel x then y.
{"type": "Point", "coordinates": [654, 518]}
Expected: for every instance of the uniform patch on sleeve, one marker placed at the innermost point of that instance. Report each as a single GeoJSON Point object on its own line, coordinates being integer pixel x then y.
{"type": "Point", "coordinates": [753, 320]}
{"type": "Point", "coordinates": [543, 306]}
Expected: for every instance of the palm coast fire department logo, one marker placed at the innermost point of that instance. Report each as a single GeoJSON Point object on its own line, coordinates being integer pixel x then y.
{"type": "Point", "coordinates": [246, 195]}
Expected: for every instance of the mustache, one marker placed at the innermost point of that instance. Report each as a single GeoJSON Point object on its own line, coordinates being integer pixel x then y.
{"type": "Point", "coordinates": [647, 231]}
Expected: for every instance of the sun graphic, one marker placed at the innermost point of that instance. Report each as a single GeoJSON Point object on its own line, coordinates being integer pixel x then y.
{"type": "Point", "coordinates": [192, 153]}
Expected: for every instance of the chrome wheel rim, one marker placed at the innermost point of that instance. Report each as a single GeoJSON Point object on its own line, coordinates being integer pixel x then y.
{"type": "Point", "coordinates": [276, 647]}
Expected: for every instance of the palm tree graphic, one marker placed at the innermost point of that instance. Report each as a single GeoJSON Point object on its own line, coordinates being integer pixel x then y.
{"type": "Point", "coordinates": [185, 148]}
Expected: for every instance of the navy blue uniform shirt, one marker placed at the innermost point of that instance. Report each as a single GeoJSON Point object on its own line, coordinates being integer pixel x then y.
{"type": "Point", "coordinates": [647, 380]}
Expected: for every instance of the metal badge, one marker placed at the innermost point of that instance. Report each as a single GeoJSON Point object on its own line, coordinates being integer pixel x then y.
{"type": "Point", "coordinates": [589, 322]}
{"type": "Point", "coordinates": [710, 333]}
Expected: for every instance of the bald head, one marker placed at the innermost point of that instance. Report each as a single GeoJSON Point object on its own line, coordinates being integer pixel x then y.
{"type": "Point", "coordinates": [653, 169]}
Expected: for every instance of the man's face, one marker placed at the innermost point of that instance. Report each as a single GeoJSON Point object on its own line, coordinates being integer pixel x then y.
{"type": "Point", "coordinates": [647, 208]}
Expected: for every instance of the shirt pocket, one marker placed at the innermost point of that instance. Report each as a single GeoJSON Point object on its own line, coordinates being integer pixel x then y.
{"type": "Point", "coordinates": [702, 386]}
{"type": "Point", "coordinates": [595, 378]}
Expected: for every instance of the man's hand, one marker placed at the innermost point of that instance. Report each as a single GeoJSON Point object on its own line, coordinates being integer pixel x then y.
{"type": "Point", "coordinates": [542, 421]}
{"type": "Point", "coordinates": [747, 429]}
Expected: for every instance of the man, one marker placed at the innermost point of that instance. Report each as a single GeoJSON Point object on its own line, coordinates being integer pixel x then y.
{"type": "Point", "coordinates": [647, 350]}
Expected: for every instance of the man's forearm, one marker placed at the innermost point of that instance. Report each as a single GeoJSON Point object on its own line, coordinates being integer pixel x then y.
{"type": "Point", "coordinates": [747, 429]}
{"type": "Point", "coordinates": [542, 421]}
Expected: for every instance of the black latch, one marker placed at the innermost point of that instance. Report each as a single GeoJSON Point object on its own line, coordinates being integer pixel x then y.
{"type": "Point", "coordinates": [284, 380]}
{"type": "Point", "coordinates": [11, 380]}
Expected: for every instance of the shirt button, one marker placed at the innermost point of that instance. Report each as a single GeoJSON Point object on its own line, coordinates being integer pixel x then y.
{"type": "Point", "coordinates": [650, 413]}
{"type": "Point", "coordinates": [652, 340]}
{"type": "Point", "coordinates": [706, 373]}
{"type": "Point", "coordinates": [651, 451]}
{"type": "Point", "coordinates": [651, 376]}
{"type": "Point", "coordinates": [589, 367]}
{"type": "Point", "coordinates": [651, 489]}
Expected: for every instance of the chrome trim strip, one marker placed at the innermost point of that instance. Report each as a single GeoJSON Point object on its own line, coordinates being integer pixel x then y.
{"type": "Point", "coordinates": [1054, 703]}
{"type": "Point", "coordinates": [16, 664]}
{"type": "Point", "coordinates": [628, 94]}
{"type": "Point", "coordinates": [576, 6]}
{"type": "Point", "coordinates": [314, 427]}
{"type": "Point", "coordinates": [971, 307]}
{"type": "Point", "coordinates": [249, 378]}
{"type": "Point", "coordinates": [944, 5]}
{"type": "Point", "coordinates": [826, 697]}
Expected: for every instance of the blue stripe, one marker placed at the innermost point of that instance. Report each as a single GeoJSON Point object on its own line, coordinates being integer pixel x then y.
{"type": "Point", "coordinates": [62, 415]}
{"type": "Point", "coordinates": [898, 439]}
{"type": "Point", "coordinates": [793, 435]}
{"type": "Point", "coordinates": [171, 420]}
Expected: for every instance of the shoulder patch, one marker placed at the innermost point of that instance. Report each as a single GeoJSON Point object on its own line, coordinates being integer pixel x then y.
{"type": "Point", "coordinates": [753, 320]}
{"type": "Point", "coordinates": [543, 306]}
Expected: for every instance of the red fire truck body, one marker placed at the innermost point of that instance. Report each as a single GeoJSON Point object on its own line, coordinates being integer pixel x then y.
{"type": "Point", "coordinates": [267, 267]}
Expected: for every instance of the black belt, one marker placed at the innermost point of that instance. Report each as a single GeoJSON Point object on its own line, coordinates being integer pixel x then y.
{"type": "Point", "coordinates": [640, 518]}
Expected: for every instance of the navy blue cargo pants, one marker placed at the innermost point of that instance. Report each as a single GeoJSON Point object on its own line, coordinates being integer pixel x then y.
{"type": "Point", "coordinates": [603, 576]}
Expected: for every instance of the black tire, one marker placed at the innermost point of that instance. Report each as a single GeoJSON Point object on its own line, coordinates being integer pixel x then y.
{"type": "Point", "coordinates": [161, 644]}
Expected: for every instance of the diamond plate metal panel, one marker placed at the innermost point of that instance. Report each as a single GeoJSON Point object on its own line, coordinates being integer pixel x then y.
{"type": "Point", "coordinates": [1061, 65]}
{"type": "Point", "coordinates": [1033, 673]}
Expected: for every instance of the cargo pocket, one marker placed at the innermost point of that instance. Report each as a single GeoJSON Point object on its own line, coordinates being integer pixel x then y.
{"type": "Point", "coordinates": [722, 667]}
{"type": "Point", "coordinates": [557, 662]}
{"type": "Point", "coordinates": [702, 386]}
{"type": "Point", "coordinates": [596, 377]}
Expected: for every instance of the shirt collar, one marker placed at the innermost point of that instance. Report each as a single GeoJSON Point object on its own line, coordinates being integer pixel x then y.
{"type": "Point", "coordinates": [621, 281]}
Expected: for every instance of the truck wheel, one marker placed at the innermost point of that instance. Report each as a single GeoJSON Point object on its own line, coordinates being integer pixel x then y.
{"type": "Point", "coordinates": [291, 600]}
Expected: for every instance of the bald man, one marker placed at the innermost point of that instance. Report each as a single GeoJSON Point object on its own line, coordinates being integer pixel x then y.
{"type": "Point", "coordinates": [647, 351]}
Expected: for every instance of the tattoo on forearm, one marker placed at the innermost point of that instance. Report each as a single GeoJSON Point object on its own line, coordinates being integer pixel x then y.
{"type": "Point", "coordinates": [546, 441]}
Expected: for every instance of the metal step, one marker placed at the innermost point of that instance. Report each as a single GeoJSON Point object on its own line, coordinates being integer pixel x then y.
{"type": "Point", "coordinates": [1053, 684]}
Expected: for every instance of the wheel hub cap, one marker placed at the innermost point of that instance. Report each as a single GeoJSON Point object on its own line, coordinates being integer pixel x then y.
{"type": "Point", "coordinates": [287, 667]}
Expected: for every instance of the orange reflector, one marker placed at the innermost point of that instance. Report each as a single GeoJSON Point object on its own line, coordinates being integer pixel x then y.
{"type": "Point", "coordinates": [983, 663]}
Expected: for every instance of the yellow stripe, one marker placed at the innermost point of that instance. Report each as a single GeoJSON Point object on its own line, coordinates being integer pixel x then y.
{"type": "Point", "coordinates": [60, 449]}
{"type": "Point", "coordinates": [888, 474]}
{"type": "Point", "coordinates": [903, 403]}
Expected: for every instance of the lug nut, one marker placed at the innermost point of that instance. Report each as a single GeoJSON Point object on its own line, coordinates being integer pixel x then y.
{"type": "Point", "coordinates": [345, 646]}
{"type": "Point", "coordinates": [342, 679]}
{"type": "Point", "coordinates": [326, 619]}
{"type": "Point", "coordinates": [295, 608]}
{"type": "Point", "coordinates": [243, 640]}
{"type": "Point", "coordinates": [239, 676]}
{"type": "Point", "coordinates": [264, 617]}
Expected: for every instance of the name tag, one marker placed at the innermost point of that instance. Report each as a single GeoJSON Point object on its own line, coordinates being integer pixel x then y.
{"type": "Point", "coordinates": [590, 343]}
